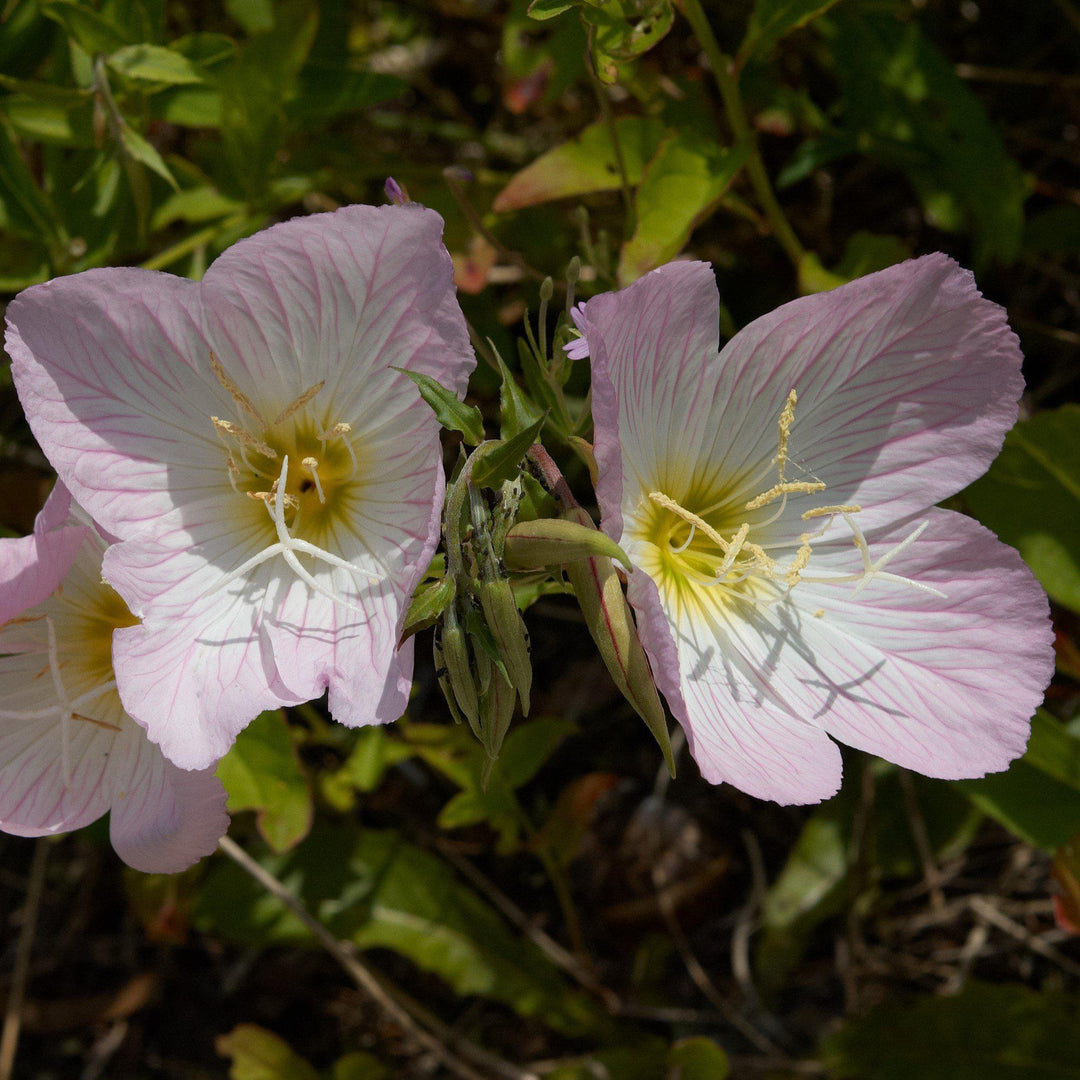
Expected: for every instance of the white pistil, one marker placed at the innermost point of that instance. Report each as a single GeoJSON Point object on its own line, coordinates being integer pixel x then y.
{"type": "Point", "coordinates": [687, 542]}
{"type": "Point", "coordinates": [288, 546]}
{"type": "Point", "coordinates": [312, 465]}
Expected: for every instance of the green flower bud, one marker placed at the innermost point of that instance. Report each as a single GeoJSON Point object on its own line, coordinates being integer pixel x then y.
{"type": "Point", "coordinates": [511, 638]}
{"type": "Point", "coordinates": [459, 674]}
{"type": "Point", "coordinates": [530, 545]}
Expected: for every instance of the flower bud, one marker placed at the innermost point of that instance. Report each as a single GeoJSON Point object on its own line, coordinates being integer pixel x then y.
{"type": "Point", "coordinates": [459, 675]}
{"type": "Point", "coordinates": [531, 545]}
{"type": "Point", "coordinates": [496, 712]}
{"type": "Point", "coordinates": [607, 615]}
{"type": "Point", "coordinates": [511, 638]}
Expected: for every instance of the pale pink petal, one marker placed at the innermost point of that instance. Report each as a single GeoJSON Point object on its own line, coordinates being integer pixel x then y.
{"type": "Point", "coordinates": [112, 369]}
{"type": "Point", "coordinates": [907, 381]}
{"type": "Point", "coordinates": [163, 818]}
{"type": "Point", "coordinates": [716, 687]}
{"type": "Point", "coordinates": [343, 297]}
{"type": "Point", "coordinates": [653, 347]}
{"type": "Point", "coordinates": [32, 566]}
{"type": "Point", "coordinates": [943, 686]}
{"type": "Point", "coordinates": [198, 671]}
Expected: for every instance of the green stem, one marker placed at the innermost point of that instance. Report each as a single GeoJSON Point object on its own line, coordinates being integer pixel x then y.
{"type": "Point", "coordinates": [728, 83]}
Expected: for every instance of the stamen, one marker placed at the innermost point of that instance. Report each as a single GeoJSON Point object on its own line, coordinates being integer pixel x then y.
{"type": "Point", "coordinates": [242, 436]}
{"type": "Point", "coordinates": [690, 518]}
{"type": "Point", "coordinates": [234, 391]}
{"type": "Point", "coordinates": [785, 487]}
{"type": "Point", "coordinates": [341, 430]}
{"type": "Point", "coordinates": [799, 563]}
{"type": "Point", "coordinates": [312, 465]}
{"type": "Point", "coordinates": [787, 418]}
{"type": "Point", "coordinates": [299, 403]}
{"type": "Point", "coordinates": [737, 542]}
{"type": "Point", "coordinates": [829, 511]}
{"type": "Point", "coordinates": [234, 474]}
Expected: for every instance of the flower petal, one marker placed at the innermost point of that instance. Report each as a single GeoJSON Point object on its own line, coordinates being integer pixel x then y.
{"type": "Point", "coordinates": [163, 818]}
{"type": "Point", "coordinates": [944, 686]}
{"type": "Point", "coordinates": [111, 368]}
{"type": "Point", "coordinates": [737, 733]}
{"type": "Point", "coordinates": [653, 385]}
{"type": "Point", "coordinates": [32, 566]}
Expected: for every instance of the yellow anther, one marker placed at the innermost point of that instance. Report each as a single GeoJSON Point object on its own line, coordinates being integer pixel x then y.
{"type": "Point", "coordinates": [242, 436]}
{"type": "Point", "coordinates": [799, 563]}
{"type": "Point", "coordinates": [827, 511]}
{"type": "Point", "coordinates": [234, 391]}
{"type": "Point", "coordinates": [689, 517]}
{"type": "Point", "coordinates": [341, 430]}
{"type": "Point", "coordinates": [291, 502]}
{"type": "Point", "coordinates": [312, 465]}
{"type": "Point", "coordinates": [734, 550]}
{"type": "Point", "coordinates": [820, 613]}
{"type": "Point", "coordinates": [299, 403]}
{"type": "Point", "coordinates": [785, 487]}
{"type": "Point", "coordinates": [787, 418]}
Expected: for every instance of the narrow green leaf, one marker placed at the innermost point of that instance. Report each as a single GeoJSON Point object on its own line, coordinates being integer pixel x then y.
{"type": "Point", "coordinates": [1031, 499]}
{"type": "Point", "coordinates": [155, 64]}
{"type": "Point", "coordinates": [501, 463]}
{"type": "Point", "coordinates": [144, 153]}
{"type": "Point", "coordinates": [452, 413]}
{"type": "Point", "coordinates": [548, 9]}
{"type": "Point", "coordinates": [584, 165]}
{"type": "Point", "coordinates": [262, 773]}
{"type": "Point", "coordinates": [516, 411]}
{"type": "Point", "coordinates": [427, 605]}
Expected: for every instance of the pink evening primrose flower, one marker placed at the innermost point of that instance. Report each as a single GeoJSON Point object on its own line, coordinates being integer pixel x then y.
{"type": "Point", "coordinates": [275, 485]}
{"type": "Point", "coordinates": [68, 751]}
{"type": "Point", "coordinates": [793, 579]}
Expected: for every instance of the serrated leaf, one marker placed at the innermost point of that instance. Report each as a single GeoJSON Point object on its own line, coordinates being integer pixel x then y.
{"type": "Point", "coordinates": [681, 186]}
{"type": "Point", "coordinates": [1031, 499]}
{"type": "Point", "coordinates": [258, 1054]}
{"type": "Point", "coordinates": [452, 413]}
{"type": "Point", "coordinates": [983, 1033]}
{"type": "Point", "coordinates": [262, 773]}
{"type": "Point", "coordinates": [772, 19]}
{"type": "Point", "coordinates": [155, 64]}
{"type": "Point", "coordinates": [501, 462]}
{"type": "Point", "coordinates": [584, 165]}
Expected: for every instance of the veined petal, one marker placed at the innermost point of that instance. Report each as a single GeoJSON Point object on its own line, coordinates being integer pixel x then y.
{"type": "Point", "coordinates": [117, 391]}
{"type": "Point", "coordinates": [32, 566]}
{"type": "Point", "coordinates": [343, 297]}
{"type": "Point", "coordinates": [163, 818]}
{"type": "Point", "coordinates": [946, 686]}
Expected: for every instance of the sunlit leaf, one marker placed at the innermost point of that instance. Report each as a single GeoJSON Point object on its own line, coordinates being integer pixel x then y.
{"type": "Point", "coordinates": [1031, 499]}
{"type": "Point", "coordinates": [258, 1054]}
{"type": "Point", "coordinates": [680, 188]}
{"type": "Point", "coordinates": [261, 773]}
{"type": "Point", "coordinates": [502, 461]}
{"type": "Point", "coordinates": [584, 165]}
{"type": "Point", "coordinates": [154, 63]}
{"type": "Point", "coordinates": [450, 411]}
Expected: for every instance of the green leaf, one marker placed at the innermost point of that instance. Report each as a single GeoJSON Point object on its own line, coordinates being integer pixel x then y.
{"type": "Point", "coordinates": [548, 9]}
{"type": "Point", "coordinates": [359, 1066]}
{"type": "Point", "coordinates": [376, 889]}
{"type": "Point", "coordinates": [501, 462]}
{"type": "Point", "coordinates": [189, 106]}
{"type": "Point", "coordinates": [254, 16]}
{"type": "Point", "coordinates": [262, 773]}
{"type": "Point", "coordinates": [772, 19]}
{"type": "Point", "coordinates": [516, 411]}
{"type": "Point", "coordinates": [195, 206]}
{"type": "Point", "coordinates": [24, 207]}
{"type": "Point", "coordinates": [93, 32]}
{"type": "Point", "coordinates": [374, 752]}
{"type": "Point", "coordinates": [904, 105]}
{"type": "Point", "coordinates": [622, 30]}
{"type": "Point", "coordinates": [50, 121]}
{"type": "Point", "coordinates": [681, 187]}
{"type": "Point", "coordinates": [1031, 499]}
{"type": "Point", "coordinates": [428, 603]}
{"type": "Point", "coordinates": [453, 414]}
{"type": "Point", "coordinates": [155, 64]}
{"type": "Point", "coordinates": [697, 1059]}
{"type": "Point", "coordinates": [584, 165]}
{"type": "Point", "coordinates": [458, 756]}
{"type": "Point", "coordinates": [984, 1033]}
{"type": "Point", "coordinates": [258, 1054]}
{"type": "Point", "coordinates": [144, 153]}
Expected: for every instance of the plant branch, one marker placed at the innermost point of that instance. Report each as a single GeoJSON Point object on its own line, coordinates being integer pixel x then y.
{"type": "Point", "coordinates": [727, 82]}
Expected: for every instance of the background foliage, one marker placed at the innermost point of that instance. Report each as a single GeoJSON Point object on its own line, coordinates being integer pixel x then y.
{"type": "Point", "coordinates": [581, 916]}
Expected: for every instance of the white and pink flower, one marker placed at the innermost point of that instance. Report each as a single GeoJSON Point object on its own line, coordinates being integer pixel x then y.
{"type": "Point", "coordinates": [68, 751]}
{"type": "Point", "coordinates": [793, 579]}
{"type": "Point", "coordinates": [274, 484]}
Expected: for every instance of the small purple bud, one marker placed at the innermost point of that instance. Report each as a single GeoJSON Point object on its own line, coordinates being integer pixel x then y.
{"type": "Point", "coordinates": [397, 194]}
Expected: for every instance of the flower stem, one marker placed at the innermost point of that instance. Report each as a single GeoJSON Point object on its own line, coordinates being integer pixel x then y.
{"type": "Point", "coordinates": [728, 83]}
